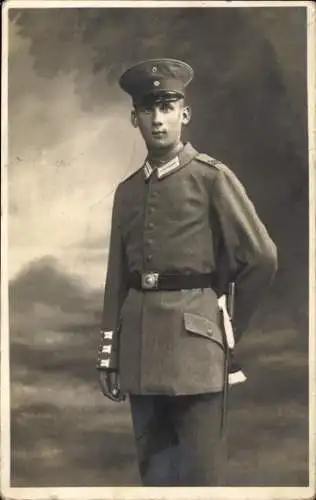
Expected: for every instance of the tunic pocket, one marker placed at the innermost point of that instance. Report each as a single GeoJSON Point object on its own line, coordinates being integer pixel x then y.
{"type": "Point", "coordinates": [203, 327]}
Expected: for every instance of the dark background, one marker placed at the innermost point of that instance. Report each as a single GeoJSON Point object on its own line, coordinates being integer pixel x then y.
{"type": "Point", "coordinates": [249, 110]}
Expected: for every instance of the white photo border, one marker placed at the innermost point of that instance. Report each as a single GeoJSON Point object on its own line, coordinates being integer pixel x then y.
{"type": "Point", "coordinates": [137, 493]}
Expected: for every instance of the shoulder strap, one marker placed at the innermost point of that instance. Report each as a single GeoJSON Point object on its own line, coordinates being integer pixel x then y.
{"type": "Point", "coordinates": [208, 160]}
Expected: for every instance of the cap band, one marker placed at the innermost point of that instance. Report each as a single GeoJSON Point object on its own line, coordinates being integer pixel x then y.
{"type": "Point", "coordinates": [157, 97]}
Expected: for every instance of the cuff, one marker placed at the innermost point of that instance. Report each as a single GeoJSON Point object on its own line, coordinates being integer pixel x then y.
{"type": "Point", "coordinates": [107, 354]}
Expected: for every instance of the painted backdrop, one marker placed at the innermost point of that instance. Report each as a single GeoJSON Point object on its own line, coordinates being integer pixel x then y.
{"type": "Point", "coordinates": [70, 143]}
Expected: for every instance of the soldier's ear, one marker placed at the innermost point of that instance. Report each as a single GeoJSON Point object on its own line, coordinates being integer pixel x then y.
{"type": "Point", "coordinates": [134, 120]}
{"type": "Point", "coordinates": [186, 115]}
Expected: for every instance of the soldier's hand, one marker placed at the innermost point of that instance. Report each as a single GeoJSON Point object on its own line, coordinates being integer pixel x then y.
{"type": "Point", "coordinates": [110, 385]}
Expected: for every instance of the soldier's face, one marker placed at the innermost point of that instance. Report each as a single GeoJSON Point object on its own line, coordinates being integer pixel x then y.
{"type": "Point", "coordinates": [161, 123]}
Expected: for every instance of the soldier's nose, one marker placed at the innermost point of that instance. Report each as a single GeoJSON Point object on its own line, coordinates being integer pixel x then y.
{"type": "Point", "coordinates": [156, 117]}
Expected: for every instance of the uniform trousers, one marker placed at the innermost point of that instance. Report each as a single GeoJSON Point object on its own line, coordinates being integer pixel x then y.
{"type": "Point", "coordinates": [179, 440]}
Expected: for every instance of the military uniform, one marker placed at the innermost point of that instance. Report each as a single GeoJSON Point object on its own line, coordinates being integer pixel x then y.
{"type": "Point", "coordinates": [187, 218]}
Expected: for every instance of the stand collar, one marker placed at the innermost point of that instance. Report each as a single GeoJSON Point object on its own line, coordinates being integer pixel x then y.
{"type": "Point", "coordinates": [184, 156]}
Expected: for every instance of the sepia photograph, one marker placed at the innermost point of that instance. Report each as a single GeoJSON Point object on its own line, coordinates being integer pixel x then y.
{"type": "Point", "coordinates": [157, 254]}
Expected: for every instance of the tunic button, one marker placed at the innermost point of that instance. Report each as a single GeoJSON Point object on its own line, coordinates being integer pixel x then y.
{"type": "Point", "coordinates": [150, 241]}
{"type": "Point", "coordinates": [149, 258]}
{"type": "Point", "coordinates": [150, 225]}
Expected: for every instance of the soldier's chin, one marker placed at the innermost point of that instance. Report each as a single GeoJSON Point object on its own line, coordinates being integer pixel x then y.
{"type": "Point", "coordinates": [160, 141]}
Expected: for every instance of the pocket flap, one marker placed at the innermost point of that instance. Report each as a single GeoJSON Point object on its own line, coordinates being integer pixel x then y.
{"type": "Point", "coordinates": [205, 327]}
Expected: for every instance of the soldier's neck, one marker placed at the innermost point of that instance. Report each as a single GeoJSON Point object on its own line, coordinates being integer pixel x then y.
{"type": "Point", "coordinates": [163, 155]}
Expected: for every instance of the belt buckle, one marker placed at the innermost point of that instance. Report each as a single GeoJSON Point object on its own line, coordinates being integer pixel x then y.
{"type": "Point", "coordinates": [150, 281]}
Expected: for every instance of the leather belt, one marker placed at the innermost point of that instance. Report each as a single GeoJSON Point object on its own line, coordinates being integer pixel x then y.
{"type": "Point", "coordinates": [168, 281]}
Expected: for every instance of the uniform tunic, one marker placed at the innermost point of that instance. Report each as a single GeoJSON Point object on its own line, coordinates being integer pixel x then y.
{"type": "Point", "coordinates": [190, 216]}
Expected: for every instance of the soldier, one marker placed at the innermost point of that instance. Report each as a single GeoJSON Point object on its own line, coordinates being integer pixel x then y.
{"type": "Point", "coordinates": [183, 229]}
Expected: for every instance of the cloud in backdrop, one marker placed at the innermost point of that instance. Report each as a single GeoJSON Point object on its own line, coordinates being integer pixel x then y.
{"type": "Point", "coordinates": [64, 165]}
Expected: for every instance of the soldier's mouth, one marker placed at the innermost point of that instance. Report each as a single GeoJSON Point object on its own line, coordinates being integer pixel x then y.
{"type": "Point", "coordinates": [158, 133]}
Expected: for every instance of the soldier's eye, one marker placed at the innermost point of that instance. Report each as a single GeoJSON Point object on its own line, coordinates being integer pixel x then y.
{"type": "Point", "coordinates": [166, 106]}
